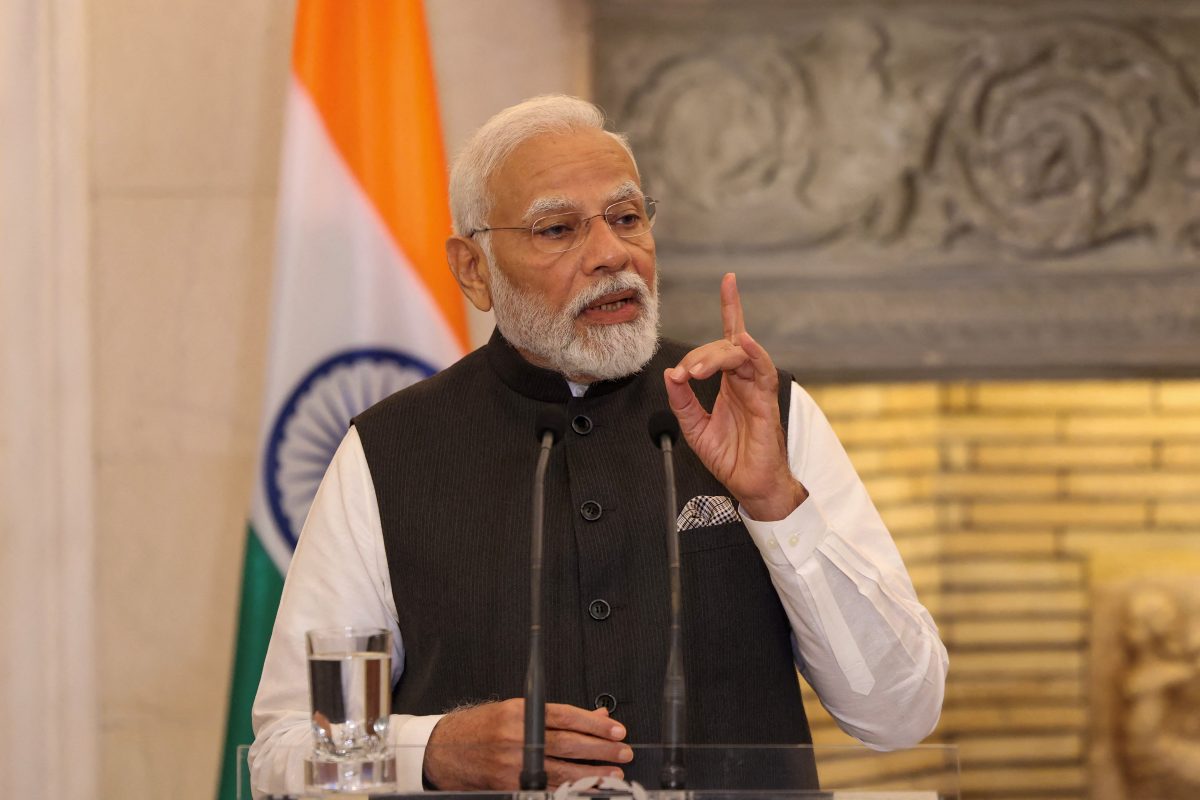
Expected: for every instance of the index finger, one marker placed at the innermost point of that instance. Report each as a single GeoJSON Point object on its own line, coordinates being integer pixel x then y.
{"type": "Point", "coordinates": [731, 308]}
{"type": "Point", "coordinates": [561, 716]}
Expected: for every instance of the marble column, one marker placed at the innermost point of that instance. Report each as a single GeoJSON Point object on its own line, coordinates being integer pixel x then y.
{"type": "Point", "coordinates": [47, 645]}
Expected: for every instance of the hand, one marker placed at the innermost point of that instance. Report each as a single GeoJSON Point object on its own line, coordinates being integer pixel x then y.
{"type": "Point", "coordinates": [455, 762]}
{"type": "Point", "coordinates": [741, 442]}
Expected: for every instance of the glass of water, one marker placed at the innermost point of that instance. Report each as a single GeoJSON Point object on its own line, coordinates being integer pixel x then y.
{"type": "Point", "coordinates": [349, 681]}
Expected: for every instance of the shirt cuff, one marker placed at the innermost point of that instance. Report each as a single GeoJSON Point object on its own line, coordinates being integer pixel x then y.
{"type": "Point", "coordinates": [792, 540]}
{"type": "Point", "coordinates": [409, 734]}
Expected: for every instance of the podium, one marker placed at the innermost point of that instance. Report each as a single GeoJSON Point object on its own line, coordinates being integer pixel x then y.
{"type": "Point", "coordinates": [714, 772]}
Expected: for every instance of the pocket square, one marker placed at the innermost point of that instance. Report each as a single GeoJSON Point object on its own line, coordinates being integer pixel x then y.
{"type": "Point", "coordinates": [704, 511]}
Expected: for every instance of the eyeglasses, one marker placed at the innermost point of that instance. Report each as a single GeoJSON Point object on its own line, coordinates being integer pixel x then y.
{"type": "Point", "coordinates": [559, 233]}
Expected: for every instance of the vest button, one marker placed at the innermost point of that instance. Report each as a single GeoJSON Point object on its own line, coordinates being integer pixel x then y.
{"type": "Point", "coordinates": [605, 700]}
{"type": "Point", "coordinates": [591, 510]}
{"type": "Point", "coordinates": [599, 609]}
{"type": "Point", "coordinates": [581, 425]}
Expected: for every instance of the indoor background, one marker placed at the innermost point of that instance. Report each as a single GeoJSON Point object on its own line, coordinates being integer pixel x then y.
{"type": "Point", "coordinates": [996, 303]}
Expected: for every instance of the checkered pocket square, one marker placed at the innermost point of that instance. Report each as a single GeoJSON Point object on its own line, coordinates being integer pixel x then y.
{"type": "Point", "coordinates": [704, 511]}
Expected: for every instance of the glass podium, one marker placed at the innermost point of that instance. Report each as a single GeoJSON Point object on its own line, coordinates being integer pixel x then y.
{"type": "Point", "coordinates": [713, 772]}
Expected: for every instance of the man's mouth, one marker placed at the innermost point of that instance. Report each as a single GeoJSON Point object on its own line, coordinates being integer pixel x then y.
{"type": "Point", "coordinates": [611, 302]}
{"type": "Point", "coordinates": [613, 307]}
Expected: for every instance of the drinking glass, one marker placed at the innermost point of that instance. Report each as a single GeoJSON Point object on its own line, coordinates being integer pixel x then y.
{"type": "Point", "coordinates": [349, 681]}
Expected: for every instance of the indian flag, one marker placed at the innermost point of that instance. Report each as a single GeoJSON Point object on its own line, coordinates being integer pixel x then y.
{"type": "Point", "coordinates": [363, 302]}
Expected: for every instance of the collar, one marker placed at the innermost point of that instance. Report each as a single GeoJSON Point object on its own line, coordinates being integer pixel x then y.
{"type": "Point", "coordinates": [536, 382]}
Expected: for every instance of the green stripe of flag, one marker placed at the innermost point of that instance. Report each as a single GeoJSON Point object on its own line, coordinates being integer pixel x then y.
{"type": "Point", "coordinates": [261, 586]}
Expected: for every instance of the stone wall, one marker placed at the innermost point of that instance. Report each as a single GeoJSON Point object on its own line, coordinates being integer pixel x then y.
{"type": "Point", "coordinates": [923, 188]}
{"type": "Point", "coordinates": [1019, 507]}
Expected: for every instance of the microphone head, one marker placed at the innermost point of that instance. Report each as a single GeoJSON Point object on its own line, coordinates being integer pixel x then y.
{"type": "Point", "coordinates": [552, 420]}
{"type": "Point", "coordinates": [663, 423]}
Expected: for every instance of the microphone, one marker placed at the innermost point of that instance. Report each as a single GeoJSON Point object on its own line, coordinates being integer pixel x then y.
{"type": "Point", "coordinates": [664, 432]}
{"type": "Point", "coordinates": [551, 425]}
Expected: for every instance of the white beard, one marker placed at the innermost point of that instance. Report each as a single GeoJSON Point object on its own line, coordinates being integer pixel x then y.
{"type": "Point", "coordinates": [597, 352]}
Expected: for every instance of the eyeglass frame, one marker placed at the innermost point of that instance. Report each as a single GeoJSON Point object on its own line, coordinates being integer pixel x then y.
{"type": "Point", "coordinates": [650, 204]}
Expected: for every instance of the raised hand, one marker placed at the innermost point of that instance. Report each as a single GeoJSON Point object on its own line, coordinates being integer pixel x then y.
{"type": "Point", "coordinates": [741, 442]}
{"type": "Point", "coordinates": [479, 748]}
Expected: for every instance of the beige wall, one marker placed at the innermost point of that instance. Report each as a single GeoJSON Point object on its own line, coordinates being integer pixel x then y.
{"type": "Point", "coordinates": [175, 161]}
{"type": "Point", "coordinates": [1015, 505]}
{"type": "Point", "coordinates": [185, 124]}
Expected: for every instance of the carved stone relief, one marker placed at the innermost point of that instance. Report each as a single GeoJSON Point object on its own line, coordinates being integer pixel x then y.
{"type": "Point", "coordinates": [1147, 690]}
{"type": "Point", "coordinates": [924, 188]}
{"type": "Point", "coordinates": [1051, 134]}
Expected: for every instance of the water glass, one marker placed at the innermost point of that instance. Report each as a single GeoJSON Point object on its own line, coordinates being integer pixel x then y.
{"type": "Point", "coordinates": [349, 680]}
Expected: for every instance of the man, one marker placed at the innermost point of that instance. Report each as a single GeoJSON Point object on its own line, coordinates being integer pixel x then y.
{"type": "Point", "coordinates": [421, 524]}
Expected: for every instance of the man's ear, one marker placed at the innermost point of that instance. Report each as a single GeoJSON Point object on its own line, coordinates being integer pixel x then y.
{"type": "Point", "coordinates": [470, 269]}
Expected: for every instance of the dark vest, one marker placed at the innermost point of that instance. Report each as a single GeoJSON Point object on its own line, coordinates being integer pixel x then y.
{"type": "Point", "coordinates": [452, 459]}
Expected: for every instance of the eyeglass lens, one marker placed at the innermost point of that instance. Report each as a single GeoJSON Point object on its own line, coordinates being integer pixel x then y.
{"type": "Point", "coordinates": [559, 232]}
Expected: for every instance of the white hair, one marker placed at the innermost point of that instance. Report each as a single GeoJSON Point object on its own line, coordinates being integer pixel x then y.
{"type": "Point", "coordinates": [485, 151]}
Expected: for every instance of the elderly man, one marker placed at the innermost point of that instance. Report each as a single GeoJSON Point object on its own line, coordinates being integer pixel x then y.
{"type": "Point", "coordinates": [421, 524]}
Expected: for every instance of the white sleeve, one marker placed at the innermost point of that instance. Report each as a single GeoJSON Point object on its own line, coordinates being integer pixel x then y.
{"type": "Point", "coordinates": [862, 639]}
{"type": "Point", "coordinates": [338, 577]}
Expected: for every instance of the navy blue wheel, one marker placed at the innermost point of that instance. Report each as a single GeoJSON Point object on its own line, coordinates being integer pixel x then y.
{"type": "Point", "coordinates": [313, 421]}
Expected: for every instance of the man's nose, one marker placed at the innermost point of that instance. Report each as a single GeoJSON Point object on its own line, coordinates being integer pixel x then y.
{"type": "Point", "coordinates": [602, 248]}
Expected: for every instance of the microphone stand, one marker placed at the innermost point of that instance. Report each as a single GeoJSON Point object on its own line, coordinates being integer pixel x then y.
{"type": "Point", "coordinates": [533, 770]}
{"type": "Point", "coordinates": [664, 429]}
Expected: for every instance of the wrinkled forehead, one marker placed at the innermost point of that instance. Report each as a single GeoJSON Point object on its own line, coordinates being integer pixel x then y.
{"type": "Point", "coordinates": [561, 204]}
{"type": "Point", "coordinates": [582, 171]}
